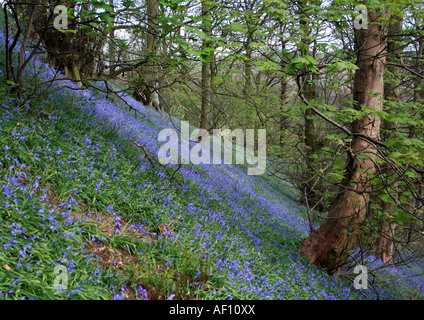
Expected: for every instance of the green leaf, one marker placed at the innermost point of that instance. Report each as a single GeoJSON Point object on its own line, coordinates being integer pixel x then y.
{"type": "Point", "coordinates": [128, 3]}
{"type": "Point", "coordinates": [339, 164]}
{"type": "Point", "coordinates": [105, 17]}
{"type": "Point", "coordinates": [237, 27]}
{"type": "Point", "coordinates": [345, 65]}
{"type": "Point", "coordinates": [102, 5]}
{"type": "Point", "coordinates": [305, 62]}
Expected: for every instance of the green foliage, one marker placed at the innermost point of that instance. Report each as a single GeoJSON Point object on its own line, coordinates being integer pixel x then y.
{"type": "Point", "coordinates": [302, 63]}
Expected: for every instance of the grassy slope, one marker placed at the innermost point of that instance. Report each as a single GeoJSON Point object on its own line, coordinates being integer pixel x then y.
{"type": "Point", "coordinates": [77, 193]}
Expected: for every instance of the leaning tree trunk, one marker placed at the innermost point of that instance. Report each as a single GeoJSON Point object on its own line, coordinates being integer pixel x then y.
{"type": "Point", "coordinates": [330, 245]}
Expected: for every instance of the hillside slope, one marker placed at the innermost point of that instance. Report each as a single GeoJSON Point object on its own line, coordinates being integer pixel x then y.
{"type": "Point", "coordinates": [77, 193]}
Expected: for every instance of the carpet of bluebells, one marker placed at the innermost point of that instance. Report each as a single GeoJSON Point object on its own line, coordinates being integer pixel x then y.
{"type": "Point", "coordinates": [67, 154]}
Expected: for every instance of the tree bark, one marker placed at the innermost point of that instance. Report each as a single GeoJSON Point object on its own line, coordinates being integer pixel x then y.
{"type": "Point", "coordinates": [284, 95]}
{"type": "Point", "coordinates": [248, 66]}
{"type": "Point", "coordinates": [206, 117]}
{"type": "Point", "coordinates": [418, 83]}
{"type": "Point", "coordinates": [384, 244]}
{"type": "Point", "coordinates": [330, 245]}
{"type": "Point", "coordinates": [112, 47]}
{"type": "Point", "coordinates": [312, 144]}
{"type": "Point", "coordinates": [76, 75]}
{"type": "Point", "coordinates": [283, 109]}
{"type": "Point", "coordinates": [392, 91]}
{"type": "Point", "coordinates": [152, 7]}
{"type": "Point", "coordinates": [149, 70]}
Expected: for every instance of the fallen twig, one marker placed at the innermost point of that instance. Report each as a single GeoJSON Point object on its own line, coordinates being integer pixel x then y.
{"type": "Point", "coordinates": [153, 161]}
{"type": "Point", "coordinates": [145, 152]}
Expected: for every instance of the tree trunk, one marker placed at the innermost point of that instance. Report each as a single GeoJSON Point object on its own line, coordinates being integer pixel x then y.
{"type": "Point", "coordinates": [205, 120]}
{"type": "Point", "coordinates": [283, 109]}
{"type": "Point", "coordinates": [384, 244]}
{"type": "Point", "coordinates": [112, 47]}
{"type": "Point", "coordinates": [284, 95]}
{"type": "Point", "coordinates": [312, 145]}
{"type": "Point", "coordinates": [330, 245]}
{"type": "Point", "coordinates": [76, 73]}
{"type": "Point", "coordinates": [149, 77]}
{"type": "Point", "coordinates": [418, 83]}
{"type": "Point", "coordinates": [152, 7]}
{"type": "Point", "coordinates": [248, 67]}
